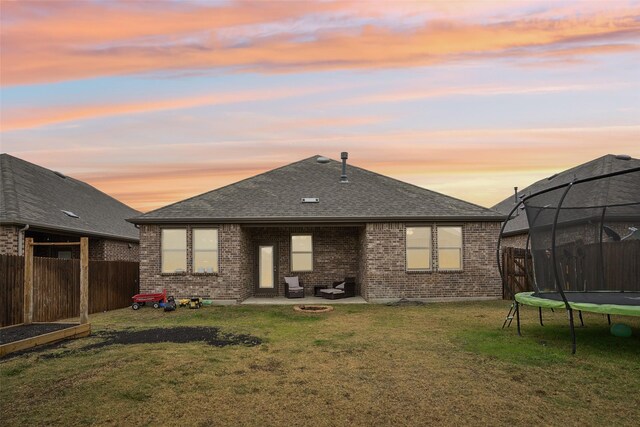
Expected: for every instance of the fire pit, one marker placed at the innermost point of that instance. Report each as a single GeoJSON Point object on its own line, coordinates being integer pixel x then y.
{"type": "Point", "coordinates": [313, 308]}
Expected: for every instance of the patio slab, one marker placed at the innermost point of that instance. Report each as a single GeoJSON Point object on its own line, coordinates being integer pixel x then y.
{"type": "Point", "coordinates": [305, 300]}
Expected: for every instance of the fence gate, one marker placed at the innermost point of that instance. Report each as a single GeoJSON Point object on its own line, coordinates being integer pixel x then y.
{"type": "Point", "coordinates": [517, 278]}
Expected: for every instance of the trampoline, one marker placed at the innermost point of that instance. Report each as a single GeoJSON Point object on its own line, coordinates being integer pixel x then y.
{"type": "Point", "coordinates": [584, 241]}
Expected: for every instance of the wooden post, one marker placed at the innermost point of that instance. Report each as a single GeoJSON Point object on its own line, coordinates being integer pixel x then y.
{"type": "Point", "coordinates": [84, 280]}
{"type": "Point", "coordinates": [27, 307]}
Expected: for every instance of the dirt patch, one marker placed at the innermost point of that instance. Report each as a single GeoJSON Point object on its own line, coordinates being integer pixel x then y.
{"type": "Point", "coordinates": [208, 335]}
{"type": "Point", "coordinates": [405, 303]}
{"type": "Point", "coordinates": [211, 336]}
{"type": "Point", "coordinates": [179, 335]}
{"type": "Point", "coordinates": [21, 332]}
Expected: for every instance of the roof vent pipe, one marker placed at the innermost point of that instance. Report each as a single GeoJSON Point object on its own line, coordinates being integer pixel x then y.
{"type": "Point", "coordinates": [344, 156]}
{"type": "Point", "coordinates": [515, 196]}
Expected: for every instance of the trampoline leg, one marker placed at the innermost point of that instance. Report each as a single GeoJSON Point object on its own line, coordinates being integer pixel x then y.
{"type": "Point", "coordinates": [609, 319]}
{"type": "Point", "coordinates": [518, 318]}
{"type": "Point", "coordinates": [573, 332]}
{"type": "Point", "coordinates": [540, 315]}
{"type": "Point", "coordinates": [580, 316]}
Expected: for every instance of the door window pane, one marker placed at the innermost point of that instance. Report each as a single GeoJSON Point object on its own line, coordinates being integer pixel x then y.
{"type": "Point", "coordinates": [265, 267]}
{"type": "Point", "coordinates": [174, 250]}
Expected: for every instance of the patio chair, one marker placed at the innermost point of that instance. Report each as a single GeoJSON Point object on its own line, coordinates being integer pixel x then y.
{"type": "Point", "coordinates": [293, 288]}
{"type": "Point", "coordinates": [348, 285]}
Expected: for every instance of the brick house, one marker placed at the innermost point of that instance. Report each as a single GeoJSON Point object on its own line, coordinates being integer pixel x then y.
{"type": "Point", "coordinates": [50, 207]}
{"type": "Point", "coordinates": [517, 229]}
{"type": "Point", "coordinates": [321, 221]}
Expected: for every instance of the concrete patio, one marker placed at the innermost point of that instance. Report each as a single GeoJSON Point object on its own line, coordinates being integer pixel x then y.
{"type": "Point", "coordinates": [305, 300]}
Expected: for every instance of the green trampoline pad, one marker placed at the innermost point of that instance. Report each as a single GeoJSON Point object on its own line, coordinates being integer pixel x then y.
{"type": "Point", "coordinates": [620, 303]}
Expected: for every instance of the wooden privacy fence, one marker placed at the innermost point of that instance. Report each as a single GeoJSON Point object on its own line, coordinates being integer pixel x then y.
{"type": "Point", "coordinates": [56, 287]}
{"type": "Point", "coordinates": [612, 266]}
{"type": "Point", "coordinates": [515, 274]}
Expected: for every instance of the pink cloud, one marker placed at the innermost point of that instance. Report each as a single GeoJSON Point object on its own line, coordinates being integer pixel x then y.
{"type": "Point", "coordinates": [100, 39]}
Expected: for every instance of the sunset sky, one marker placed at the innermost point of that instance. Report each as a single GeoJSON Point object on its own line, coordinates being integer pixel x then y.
{"type": "Point", "coordinates": [153, 102]}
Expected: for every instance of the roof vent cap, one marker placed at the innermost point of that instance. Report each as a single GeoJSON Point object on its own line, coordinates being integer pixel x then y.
{"type": "Point", "coordinates": [60, 174]}
{"type": "Point", "coordinates": [322, 159]}
{"type": "Point", "coordinates": [69, 213]}
{"type": "Point", "coordinates": [310, 200]}
{"type": "Point", "coordinates": [552, 176]}
{"type": "Point", "coordinates": [623, 157]}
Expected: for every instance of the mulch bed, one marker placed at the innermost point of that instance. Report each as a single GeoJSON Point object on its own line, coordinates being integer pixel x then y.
{"type": "Point", "coordinates": [179, 335]}
{"type": "Point", "coordinates": [208, 335]}
{"type": "Point", "coordinates": [21, 332]}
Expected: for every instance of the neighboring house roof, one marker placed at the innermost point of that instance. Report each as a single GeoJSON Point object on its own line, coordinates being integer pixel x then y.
{"type": "Point", "coordinates": [31, 194]}
{"type": "Point", "coordinates": [602, 165]}
{"type": "Point", "coordinates": [276, 196]}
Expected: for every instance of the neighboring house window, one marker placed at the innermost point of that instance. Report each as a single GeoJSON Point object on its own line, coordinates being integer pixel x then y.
{"type": "Point", "coordinates": [450, 248]}
{"type": "Point", "coordinates": [205, 250]}
{"type": "Point", "coordinates": [301, 252]}
{"type": "Point", "coordinates": [418, 248]}
{"type": "Point", "coordinates": [174, 250]}
{"type": "Point", "coordinates": [64, 254]}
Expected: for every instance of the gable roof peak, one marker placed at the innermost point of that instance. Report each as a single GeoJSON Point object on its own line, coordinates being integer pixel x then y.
{"type": "Point", "coordinates": [276, 195]}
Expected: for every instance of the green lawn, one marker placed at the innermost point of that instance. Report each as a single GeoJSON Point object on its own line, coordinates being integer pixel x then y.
{"type": "Point", "coordinates": [446, 363]}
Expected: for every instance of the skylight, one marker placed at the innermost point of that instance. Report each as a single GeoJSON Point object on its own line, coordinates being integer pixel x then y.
{"type": "Point", "coordinates": [71, 214]}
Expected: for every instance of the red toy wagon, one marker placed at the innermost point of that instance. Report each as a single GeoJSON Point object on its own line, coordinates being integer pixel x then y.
{"type": "Point", "coordinates": [141, 299]}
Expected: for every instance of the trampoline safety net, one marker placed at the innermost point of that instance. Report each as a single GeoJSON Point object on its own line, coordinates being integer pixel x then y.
{"type": "Point", "coordinates": [592, 230]}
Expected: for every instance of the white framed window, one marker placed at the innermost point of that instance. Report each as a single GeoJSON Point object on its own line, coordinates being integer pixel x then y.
{"type": "Point", "coordinates": [450, 248]}
{"type": "Point", "coordinates": [205, 250]}
{"type": "Point", "coordinates": [173, 244]}
{"type": "Point", "coordinates": [301, 252]}
{"type": "Point", "coordinates": [418, 248]}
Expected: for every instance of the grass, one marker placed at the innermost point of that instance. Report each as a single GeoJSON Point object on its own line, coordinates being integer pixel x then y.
{"type": "Point", "coordinates": [444, 363]}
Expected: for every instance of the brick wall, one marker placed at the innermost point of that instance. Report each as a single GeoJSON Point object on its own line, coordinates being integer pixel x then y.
{"type": "Point", "coordinates": [230, 283]}
{"type": "Point", "coordinates": [335, 257]}
{"type": "Point", "coordinates": [515, 241]}
{"type": "Point", "coordinates": [385, 275]}
{"type": "Point", "coordinates": [335, 253]}
{"type": "Point", "coordinates": [375, 255]}
{"type": "Point", "coordinates": [113, 250]}
{"type": "Point", "coordinates": [9, 240]}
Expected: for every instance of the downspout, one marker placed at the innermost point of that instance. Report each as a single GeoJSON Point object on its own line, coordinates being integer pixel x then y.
{"type": "Point", "coordinates": [21, 239]}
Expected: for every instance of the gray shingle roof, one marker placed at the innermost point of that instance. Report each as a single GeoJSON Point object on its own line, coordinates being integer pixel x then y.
{"type": "Point", "coordinates": [31, 194]}
{"type": "Point", "coordinates": [595, 196]}
{"type": "Point", "coordinates": [275, 196]}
